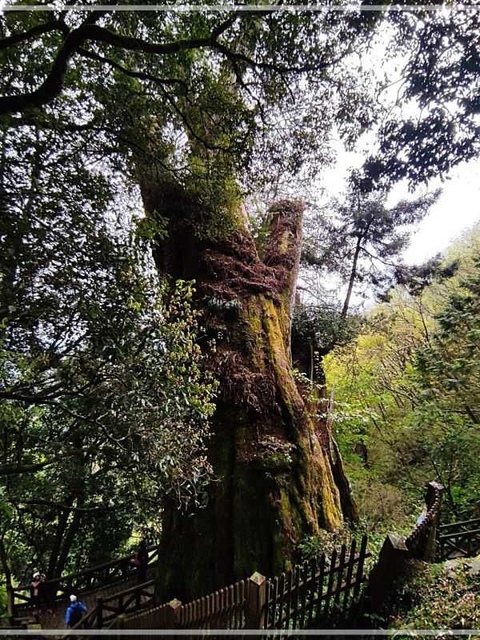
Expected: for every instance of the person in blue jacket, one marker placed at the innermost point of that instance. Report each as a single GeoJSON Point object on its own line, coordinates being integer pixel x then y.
{"type": "Point", "coordinates": [74, 612]}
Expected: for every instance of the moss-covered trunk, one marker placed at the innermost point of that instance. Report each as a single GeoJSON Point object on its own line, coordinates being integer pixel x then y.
{"type": "Point", "coordinates": [275, 483]}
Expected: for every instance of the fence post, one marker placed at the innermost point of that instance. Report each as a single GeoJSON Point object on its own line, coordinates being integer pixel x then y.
{"type": "Point", "coordinates": [99, 609]}
{"type": "Point", "coordinates": [433, 500]}
{"type": "Point", "coordinates": [10, 602]}
{"type": "Point", "coordinates": [172, 612]}
{"type": "Point", "coordinates": [390, 565]}
{"type": "Point", "coordinates": [255, 605]}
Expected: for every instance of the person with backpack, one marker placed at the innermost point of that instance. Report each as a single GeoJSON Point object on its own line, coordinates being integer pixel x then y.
{"type": "Point", "coordinates": [74, 612]}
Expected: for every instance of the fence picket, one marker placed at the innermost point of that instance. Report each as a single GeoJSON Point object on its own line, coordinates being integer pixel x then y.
{"type": "Point", "coordinates": [296, 579]}
{"type": "Point", "coordinates": [289, 596]}
{"type": "Point", "coordinates": [236, 595]}
{"type": "Point", "coordinates": [273, 592]}
{"type": "Point", "coordinates": [360, 566]}
{"type": "Point", "coordinates": [316, 591]}
{"type": "Point", "coordinates": [219, 609]}
{"type": "Point", "coordinates": [348, 579]}
{"type": "Point", "coordinates": [281, 600]}
{"type": "Point", "coordinates": [302, 595]}
{"type": "Point", "coordinates": [341, 569]}
{"type": "Point", "coordinates": [328, 594]}
{"type": "Point", "coordinates": [203, 609]}
{"type": "Point", "coordinates": [195, 613]}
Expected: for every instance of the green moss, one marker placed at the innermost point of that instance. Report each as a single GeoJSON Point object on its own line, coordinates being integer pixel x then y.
{"type": "Point", "coordinates": [278, 462]}
{"type": "Point", "coordinates": [284, 241]}
{"type": "Point", "coordinates": [314, 469]}
{"type": "Point", "coordinates": [280, 361]}
{"type": "Point", "coordinates": [254, 337]}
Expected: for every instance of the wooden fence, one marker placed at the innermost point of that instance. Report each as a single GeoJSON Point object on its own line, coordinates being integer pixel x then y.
{"type": "Point", "coordinates": [136, 598]}
{"type": "Point", "coordinates": [223, 609]}
{"type": "Point", "coordinates": [317, 593]}
{"type": "Point", "coordinates": [397, 552]}
{"type": "Point", "coordinates": [59, 589]}
{"type": "Point", "coordinates": [421, 541]}
{"type": "Point", "coordinates": [458, 539]}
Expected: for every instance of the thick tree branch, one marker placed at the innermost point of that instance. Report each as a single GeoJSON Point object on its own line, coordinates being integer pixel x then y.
{"type": "Point", "coordinates": [34, 33]}
{"type": "Point", "coordinates": [44, 397]}
{"type": "Point", "coordinates": [89, 32]}
{"type": "Point", "coordinates": [128, 72]}
{"type": "Point", "coordinates": [272, 66]}
{"type": "Point", "coordinates": [53, 84]}
{"type": "Point", "coordinates": [17, 469]}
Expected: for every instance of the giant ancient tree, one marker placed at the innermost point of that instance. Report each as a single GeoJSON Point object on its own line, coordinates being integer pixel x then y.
{"type": "Point", "coordinates": [198, 109]}
{"type": "Point", "coordinates": [275, 478]}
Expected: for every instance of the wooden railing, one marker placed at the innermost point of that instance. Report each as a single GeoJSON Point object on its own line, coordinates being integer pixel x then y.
{"type": "Point", "coordinates": [397, 552]}
{"type": "Point", "coordinates": [421, 541]}
{"type": "Point", "coordinates": [139, 597]}
{"type": "Point", "coordinates": [223, 609]}
{"type": "Point", "coordinates": [458, 539]}
{"type": "Point", "coordinates": [317, 592]}
{"type": "Point", "coordinates": [159, 617]}
{"type": "Point", "coordinates": [310, 595]}
{"type": "Point", "coordinates": [58, 589]}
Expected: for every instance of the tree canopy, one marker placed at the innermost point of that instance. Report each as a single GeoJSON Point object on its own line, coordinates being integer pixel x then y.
{"type": "Point", "coordinates": [438, 80]}
{"type": "Point", "coordinates": [104, 401]}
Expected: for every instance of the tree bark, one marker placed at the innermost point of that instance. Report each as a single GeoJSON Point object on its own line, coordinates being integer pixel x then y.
{"type": "Point", "coordinates": [274, 481]}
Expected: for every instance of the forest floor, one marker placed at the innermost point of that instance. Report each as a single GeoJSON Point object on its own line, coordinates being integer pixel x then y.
{"type": "Point", "coordinates": [440, 596]}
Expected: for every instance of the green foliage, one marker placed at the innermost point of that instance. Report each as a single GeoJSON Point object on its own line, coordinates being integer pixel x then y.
{"type": "Point", "coordinates": [438, 597]}
{"type": "Point", "coordinates": [326, 541]}
{"type": "Point", "coordinates": [438, 56]}
{"type": "Point", "coordinates": [206, 98]}
{"type": "Point", "coordinates": [105, 404]}
{"type": "Point", "coordinates": [448, 375]}
{"type": "Point", "coordinates": [406, 396]}
{"type": "Point", "coordinates": [322, 328]}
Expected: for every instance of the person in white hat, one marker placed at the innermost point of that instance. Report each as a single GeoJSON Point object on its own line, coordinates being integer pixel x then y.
{"type": "Point", "coordinates": [34, 588]}
{"type": "Point", "coordinates": [74, 612]}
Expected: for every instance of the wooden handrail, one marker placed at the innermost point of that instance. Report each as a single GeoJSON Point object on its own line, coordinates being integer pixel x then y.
{"type": "Point", "coordinates": [112, 606]}
{"type": "Point", "coordinates": [459, 534]}
{"type": "Point", "coordinates": [73, 582]}
{"type": "Point", "coordinates": [452, 525]}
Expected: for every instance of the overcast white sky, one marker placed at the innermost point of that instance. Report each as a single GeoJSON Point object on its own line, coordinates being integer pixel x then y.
{"type": "Point", "coordinates": [457, 210]}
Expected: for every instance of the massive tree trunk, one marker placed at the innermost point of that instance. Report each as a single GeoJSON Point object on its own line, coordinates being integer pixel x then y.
{"type": "Point", "coordinates": [274, 479]}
